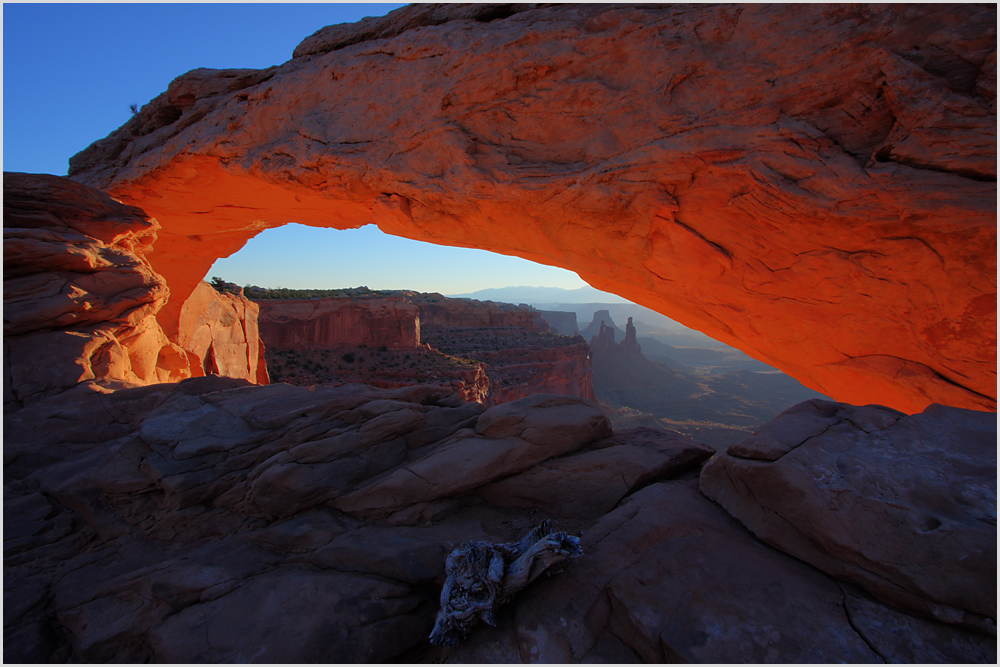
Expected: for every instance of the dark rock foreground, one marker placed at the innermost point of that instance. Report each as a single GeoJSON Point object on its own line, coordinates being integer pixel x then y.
{"type": "Point", "coordinates": [215, 521]}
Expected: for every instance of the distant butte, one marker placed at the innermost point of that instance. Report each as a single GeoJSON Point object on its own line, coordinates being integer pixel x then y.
{"type": "Point", "coordinates": [815, 185]}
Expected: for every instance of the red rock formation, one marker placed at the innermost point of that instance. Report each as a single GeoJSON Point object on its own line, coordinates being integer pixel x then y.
{"type": "Point", "coordinates": [546, 368]}
{"type": "Point", "coordinates": [219, 331]}
{"type": "Point", "coordinates": [440, 312]}
{"type": "Point", "coordinates": [80, 298]}
{"type": "Point", "coordinates": [302, 323]}
{"type": "Point", "coordinates": [814, 185]}
{"type": "Point", "coordinates": [339, 365]}
{"type": "Point", "coordinates": [315, 341]}
{"type": "Point", "coordinates": [602, 320]}
{"type": "Point", "coordinates": [630, 344]}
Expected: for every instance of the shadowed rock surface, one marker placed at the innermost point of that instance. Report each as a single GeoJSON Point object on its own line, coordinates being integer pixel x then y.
{"type": "Point", "coordinates": [876, 497]}
{"type": "Point", "coordinates": [216, 521]}
{"type": "Point", "coordinates": [670, 577]}
{"type": "Point", "coordinates": [159, 523]}
{"type": "Point", "coordinates": [814, 185]}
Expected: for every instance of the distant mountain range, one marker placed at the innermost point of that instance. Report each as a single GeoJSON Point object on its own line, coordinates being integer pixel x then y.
{"type": "Point", "coordinates": [584, 301]}
{"type": "Point", "coordinates": [531, 295]}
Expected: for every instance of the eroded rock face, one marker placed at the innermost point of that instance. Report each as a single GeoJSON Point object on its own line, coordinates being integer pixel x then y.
{"type": "Point", "coordinates": [220, 333]}
{"type": "Point", "coordinates": [444, 313]}
{"type": "Point", "coordinates": [494, 352]}
{"type": "Point", "coordinates": [874, 497]}
{"type": "Point", "coordinates": [80, 298]}
{"type": "Point", "coordinates": [329, 322]}
{"type": "Point", "coordinates": [814, 185]}
{"type": "Point", "coordinates": [563, 323]}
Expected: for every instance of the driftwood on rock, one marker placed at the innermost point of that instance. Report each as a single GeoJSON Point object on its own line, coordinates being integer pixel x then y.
{"type": "Point", "coordinates": [482, 576]}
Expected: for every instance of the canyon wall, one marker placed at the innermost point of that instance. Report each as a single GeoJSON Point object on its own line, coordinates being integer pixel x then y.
{"type": "Point", "coordinates": [219, 332]}
{"type": "Point", "coordinates": [299, 323]}
{"type": "Point", "coordinates": [437, 311]}
{"type": "Point", "coordinates": [814, 185]}
{"type": "Point", "coordinates": [523, 356]}
{"type": "Point", "coordinates": [488, 352]}
{"type": "Point", "coordinates": [562, 322]}
{"type": "Point", "coordinates": [563, 370]}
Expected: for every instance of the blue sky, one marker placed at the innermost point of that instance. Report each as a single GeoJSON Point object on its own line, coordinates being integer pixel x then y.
{"type": "Point", "coordinates": [72, 70]}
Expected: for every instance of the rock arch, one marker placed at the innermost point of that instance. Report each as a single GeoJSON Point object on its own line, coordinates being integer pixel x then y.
{"type": "Point", "coordinates": [813, 184]}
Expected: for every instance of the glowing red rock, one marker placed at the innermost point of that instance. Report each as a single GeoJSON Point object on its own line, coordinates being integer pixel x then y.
{"type": "Point", "coordinates": [219, 332]}
{"type": "Point", "coordinates": [815, 185]}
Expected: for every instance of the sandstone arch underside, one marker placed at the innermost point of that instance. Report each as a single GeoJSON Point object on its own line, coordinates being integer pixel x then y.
{"type": "Point", "coordinates": [815, 185]}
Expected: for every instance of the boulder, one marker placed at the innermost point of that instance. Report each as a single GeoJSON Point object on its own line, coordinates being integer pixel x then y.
{"type": "Point", "coordinates": [588, 484]}
{"type": "Point", "coordinates": [813, 185]}
{"type": "Point", "coordinates": [903, 506]}
{"type": "Point", "coordinates": [508, 439]}
{"type": "Point", "coordinates": [669, 577]}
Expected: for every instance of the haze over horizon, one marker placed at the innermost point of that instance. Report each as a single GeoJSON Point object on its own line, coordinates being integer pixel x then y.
{"type": "Point", "coordinates": [106, 57]}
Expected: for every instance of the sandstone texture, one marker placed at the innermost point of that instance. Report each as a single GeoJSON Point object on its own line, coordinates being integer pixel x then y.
{"type": "Point", "coordinates": [903, 506]}
{"type": "Point", "coordinates": [814, 185]}
{"type": "Point", "coordinates": [670, 577]}
{"type": "Point", "coordinates": [297, 323]}
{"type": "Point", "coordinates": [80, 298]}
{"type": "Point", "coordinates": [199, 521]}
{"type": "Point", "coordinates": [212, 520]}
{"type": "Point", "coordinates": [220, 333]}
{"type": "Point", "coordinates": [589, 484]}
{"type": "Point", "coordinates": [508, 439]}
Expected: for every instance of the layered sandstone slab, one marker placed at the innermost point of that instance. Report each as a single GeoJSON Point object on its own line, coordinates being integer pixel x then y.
{"type": "Point", "coordinates": [670, 577]}
{"type": "Point", "coordinates": [903, 506]}
{"type": "Point", "coordinates": [80, 297]}
{"type": "Point", "coordinates": [814, 185]}
{"type": "Point", "coordinates": [168, 523]}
